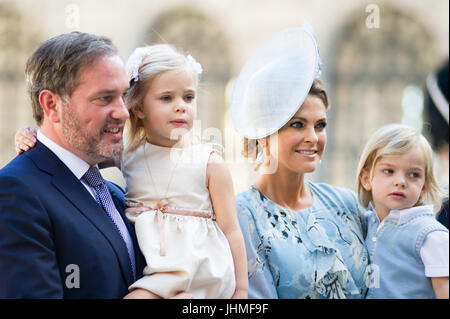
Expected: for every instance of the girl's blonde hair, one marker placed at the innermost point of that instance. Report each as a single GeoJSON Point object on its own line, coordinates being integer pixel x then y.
{"type": "Point", "coordinates": [252, 147]}
{"type": "Point", "coordinates": [158, 59]}
{"type": "Point", "coordinates": [397, 139]}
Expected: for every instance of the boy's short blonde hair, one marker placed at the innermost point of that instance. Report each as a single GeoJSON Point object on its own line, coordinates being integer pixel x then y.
{"type": "Point", "coordinates": [397, 139]}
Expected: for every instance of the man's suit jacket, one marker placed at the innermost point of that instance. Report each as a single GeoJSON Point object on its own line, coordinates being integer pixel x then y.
{"type": "Point", "coordinates": [55, 240]}
{"type": "Point", "coordinates": [443, 213]}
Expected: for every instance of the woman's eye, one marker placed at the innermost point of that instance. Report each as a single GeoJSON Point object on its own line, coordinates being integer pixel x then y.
{"type": "Point", "coordinates": [321, 125]}
{"type": "Point", "coordinates": [297, 125]}
{"type": "Point", "coordinates": [165, 98]}
{"type": "Point", "coordinates": [388, 171]}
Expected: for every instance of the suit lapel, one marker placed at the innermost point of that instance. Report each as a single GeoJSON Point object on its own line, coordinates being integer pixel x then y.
{"type": "Point", "coordinates": [66, 183]}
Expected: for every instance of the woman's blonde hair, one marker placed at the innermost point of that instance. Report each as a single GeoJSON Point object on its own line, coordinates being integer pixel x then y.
{"type": "Point", "coordinates": [252, 147]}
{"type": "Point", "coordinates": [397, 139]}
{"type": "Point", "coordinates": [160, 58]}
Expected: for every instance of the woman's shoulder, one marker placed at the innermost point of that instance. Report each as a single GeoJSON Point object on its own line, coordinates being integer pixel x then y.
{"type": "Point", "coordinates": [244, 198]}
{"type": "Point", "coordinates": [249, 199]}
{"type": "Point", "coordinates": [334, 190]}
{"type": "Point", "coordinates": [340, 197]}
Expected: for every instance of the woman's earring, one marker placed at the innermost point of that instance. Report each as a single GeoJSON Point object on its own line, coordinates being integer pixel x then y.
{"type": "Point", "coordinates": [260, 157]}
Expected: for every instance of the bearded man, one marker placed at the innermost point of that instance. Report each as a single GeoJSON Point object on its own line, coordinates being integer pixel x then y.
{"type": "Point", "coordinates": [63, 233]}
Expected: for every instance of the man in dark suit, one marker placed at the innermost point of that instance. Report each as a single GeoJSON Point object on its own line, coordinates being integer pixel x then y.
{"type": "Point", "coordinates": [63, 233]}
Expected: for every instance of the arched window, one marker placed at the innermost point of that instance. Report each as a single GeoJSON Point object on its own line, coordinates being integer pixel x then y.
{"type": "Point", "coordinates": [371, 70]}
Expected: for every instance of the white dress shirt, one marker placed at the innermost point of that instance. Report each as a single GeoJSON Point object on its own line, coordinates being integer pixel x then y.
{"type": "Point", "coordinates": [75, 164]}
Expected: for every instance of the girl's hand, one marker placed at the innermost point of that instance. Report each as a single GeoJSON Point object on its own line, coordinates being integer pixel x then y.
{"type": "Point", "coordinates": [25, 139]}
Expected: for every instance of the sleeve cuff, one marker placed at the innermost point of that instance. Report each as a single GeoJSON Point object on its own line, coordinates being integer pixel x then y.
{"type": "Point", "coordinates": [436, 271]}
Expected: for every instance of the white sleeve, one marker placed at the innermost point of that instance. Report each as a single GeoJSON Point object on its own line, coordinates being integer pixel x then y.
{"type": "Point", "coordinates": [434, 254]}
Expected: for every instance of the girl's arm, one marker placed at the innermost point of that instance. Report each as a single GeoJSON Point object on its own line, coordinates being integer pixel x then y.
{"type": "Point", "coordinates": [440, 287]}
{"type": "Point", "coordinates": [222, 197]}
{"type": "Point", "coordinates": [25, 139]}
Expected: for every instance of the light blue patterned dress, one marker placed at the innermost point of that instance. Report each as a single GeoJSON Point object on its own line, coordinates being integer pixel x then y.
{"type": "Point", "coordinates": [316, 252]}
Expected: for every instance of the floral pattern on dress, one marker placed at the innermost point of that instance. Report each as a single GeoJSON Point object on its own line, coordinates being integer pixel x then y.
{"type": "Point", "coordinates": [313, 253]}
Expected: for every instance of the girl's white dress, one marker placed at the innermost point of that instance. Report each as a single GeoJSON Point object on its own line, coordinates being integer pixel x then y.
{"type": "Point", "coordinates": [183, 252]}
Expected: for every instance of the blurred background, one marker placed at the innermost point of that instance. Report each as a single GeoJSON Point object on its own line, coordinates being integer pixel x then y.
{"type": "Point", "coordinates": [377, 57]}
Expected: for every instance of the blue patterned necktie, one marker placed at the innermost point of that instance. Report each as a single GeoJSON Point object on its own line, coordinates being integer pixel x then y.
{"type": "Point", "coordinates": [94, 179]}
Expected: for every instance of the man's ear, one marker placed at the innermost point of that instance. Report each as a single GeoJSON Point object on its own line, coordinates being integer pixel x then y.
{"type": "Point", "coordinates": [364, 178]}
{"type": "Point", "coordinates": [51, 105]}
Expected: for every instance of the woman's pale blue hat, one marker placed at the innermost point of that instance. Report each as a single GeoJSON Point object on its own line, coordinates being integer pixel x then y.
{"type": "Point", "coordinates": [275, 81]}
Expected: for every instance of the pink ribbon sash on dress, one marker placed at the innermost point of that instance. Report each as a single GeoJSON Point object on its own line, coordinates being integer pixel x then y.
{"type": "Point", "coordinates": [161, 209]}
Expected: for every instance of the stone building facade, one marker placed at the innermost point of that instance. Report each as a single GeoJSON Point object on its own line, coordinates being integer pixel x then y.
{"type": "Point", "coordinates": [376, 57]}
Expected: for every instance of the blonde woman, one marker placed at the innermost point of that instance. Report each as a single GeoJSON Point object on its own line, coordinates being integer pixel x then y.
{"type": "Point", "coordinates": [303, 239]}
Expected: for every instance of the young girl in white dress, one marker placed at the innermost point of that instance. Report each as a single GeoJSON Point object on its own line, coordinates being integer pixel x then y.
{"type": "Point", "coordinates": [180, 195]}
{"type": "Point", "coordinates": [185, 214]}
{"type": "Point", "coordinates": [408, 247]}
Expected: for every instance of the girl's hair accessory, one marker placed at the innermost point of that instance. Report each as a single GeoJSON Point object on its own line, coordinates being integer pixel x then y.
{"type": "Point", "coordinates": [275, 82]}
{"type": "Point", "coordinates": [135, 61]}
{"type": "Point", "coordinates": [138, 55]}
{"type": "Point", "coordinates": [195, 65]}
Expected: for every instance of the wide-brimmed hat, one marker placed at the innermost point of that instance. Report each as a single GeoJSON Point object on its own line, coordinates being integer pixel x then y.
{"type": "Point", "coordinates": [275, 81]}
